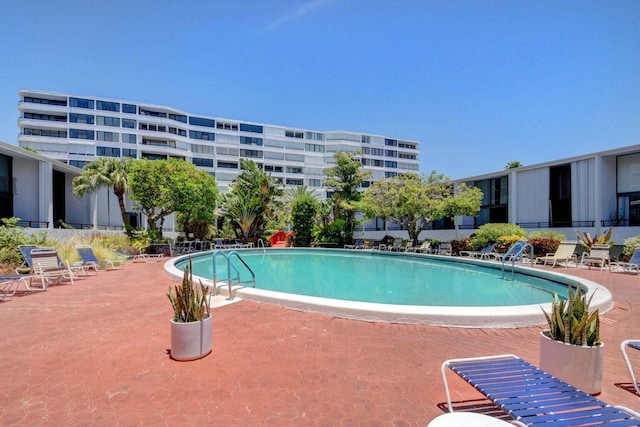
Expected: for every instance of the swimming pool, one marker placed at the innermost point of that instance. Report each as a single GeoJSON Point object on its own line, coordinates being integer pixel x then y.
{"type": "Point", "coordinates": [407, 288]}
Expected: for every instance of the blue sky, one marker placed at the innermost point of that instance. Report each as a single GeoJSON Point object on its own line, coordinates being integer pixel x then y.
{"type": "Point", "coordinates": [478, 83]}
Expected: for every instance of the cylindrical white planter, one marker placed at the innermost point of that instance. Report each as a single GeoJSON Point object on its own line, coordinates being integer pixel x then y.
{"type": "Point", "coordinates": [580, 366]}
{"type": "Point", "coordinates": [192, 340]}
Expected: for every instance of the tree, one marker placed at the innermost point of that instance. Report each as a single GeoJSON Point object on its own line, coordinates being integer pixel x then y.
{"type": "Point", "coordinates": [304, 207]}
{"type": "Point", "coordinates": [106, 172]}
{"type": "Point", "coordinates": [345, 180]}
{"type": "Point", "coordinates": [413, 201]}
{"type": "Point", "coordinates": [252, 186]}
{"type": "Point", "coordinates": [161, 187]}
{"type": "Point", "coordinates": [513, 165]}
{"type": "Point", "coordinates": [243, 209]}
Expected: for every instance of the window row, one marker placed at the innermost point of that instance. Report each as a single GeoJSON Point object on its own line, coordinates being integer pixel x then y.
{"type": "Point", "coordinates": [48, 117]}
{"type": "Point", "coordinates": [227, 126]}
{"type": "Point", "coordinates": [293, 134]}
{"type": "Point", "coordinates": [35, 100]}
{"type": "Point", "coordinates": [199, 121]}
{"type": "Point", "coordinates": [45, 132]}
{"type": "Point", "coordinates": [246, 140]}
{"type": "Point", "coordinates": [208, 136]}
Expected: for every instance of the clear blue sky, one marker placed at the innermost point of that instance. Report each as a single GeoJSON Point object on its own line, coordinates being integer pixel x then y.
{"type": "Point", "coordinates": [478, 83]}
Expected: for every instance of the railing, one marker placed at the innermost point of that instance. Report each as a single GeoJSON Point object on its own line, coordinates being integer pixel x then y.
{"type": "Point", "coordinates": [235, 280]}
{"type": "Point", "coordinates": [516, 251]}
{"type": "Point", "coordinates": [261, 243]}
{"type": "Point", "coordinates": [557, 224]}
{"type": "Point", "coordinates": [32, 224]}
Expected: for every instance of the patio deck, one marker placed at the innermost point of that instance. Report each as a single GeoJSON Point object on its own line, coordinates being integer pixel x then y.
{"type": "Point", "coordinates": [96, 354]}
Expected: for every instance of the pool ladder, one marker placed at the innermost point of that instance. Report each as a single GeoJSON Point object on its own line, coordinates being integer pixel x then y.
{"type": "Point", "coordinates": [230, 280]}
{"type": "Point", "coordinates": [516, 251]}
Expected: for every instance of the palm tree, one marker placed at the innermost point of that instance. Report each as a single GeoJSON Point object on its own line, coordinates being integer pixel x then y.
{"type": "Point", "coordinates": [242, 209]}
{"type": "Point", "coordinates": [105, 172]}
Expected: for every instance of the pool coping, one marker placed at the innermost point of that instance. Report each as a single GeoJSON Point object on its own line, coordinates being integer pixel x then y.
{"type": "Point", "coordinates": [463, 317]}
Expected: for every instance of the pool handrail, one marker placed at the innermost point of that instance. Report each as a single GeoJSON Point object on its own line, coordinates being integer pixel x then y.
{"type": "Point", "coordinates": [230, 280]}
{"type": "Point", "coordinates": [514, 252]}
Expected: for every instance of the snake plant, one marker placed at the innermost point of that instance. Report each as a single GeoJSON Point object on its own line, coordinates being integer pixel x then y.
{"type": "Point", "coordinates": [571, 321]}
{"type": "Point", "coordinates": [189, 302]}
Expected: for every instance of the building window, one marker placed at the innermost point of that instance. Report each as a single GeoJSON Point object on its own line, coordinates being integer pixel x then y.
{"type": "Point", "coordinates": [144, 112]}
{"type": "Point", "coordinates": [47, 117]}
{"type": "Point", "coordinates": [150, 156]}
{"type": "Point", "coordinates": [208, 136]}
{"type": "Point", "coordinates": [129, 108]}
{"type": "Point", "coordinates": [81, 103]}
{"type": "Point", "coordinates": [295, 181]}
{"type": "Point", "coordinates": [108, 136]}
{"type": "Point", "coordinates": [378, 163]}
{"type": "Point", "coordinates": [250, 141]}
{"type": "Point", "coordinates": [108, 121]}
{"type": "Point", "coordinates": [407, 156]}
{"type": "Point", "coordinates": [251, 153]}
{"type": "Point", "coordinates": [81, 134]}
{"type": "Point", "coordinates": [207, 163]}
{"type": "Point", "coordinates": [86, 119]}
{"type": "Point", "coordinates": [315, 183]}
{"type": "Point", "coordinates": [128, 152]}
{"type": "Point", "coordinates": [199, 121]}
{"type": "Point", "coordinates": [391, 153]}
{"type": "Point", "coordinates": [366, 139]}
{"type": "Point", "coordinates": [129, 138]}
{"type": "Point", "coordinates": [293, 169]}
{"type": "Point", "coordinates": [270, 168]}
{"type": "Point", "coordinates": [202, 149]}
{"type": "Point", "coordinates": [377, 152]}
{"type": "Point", "coordinates": [227, 126]}
{"type": "Point", "coordinates": [316, 136]}
{"type": "Point", "coordinates": [391, 142]}
{"type": "Point", "coordinates": [316, 148]}
{"type": "Point", "coordinates": [407, 145]}
{"type": "Point", "coordinates": [45, 101]}
{"type": "Point", "coordinates": [129, 123]}
{"type": "Point", "coordinates": [495, 200]}
{"type": "Point", "coordinates": [178, 117]}
{"type": "Point", "coordinates": [390, 174]}
{"type": "Point", "coordinates": [293, 134]}
{"type": "Point", "coordinates": [365, 161]}
{"type": "Point", "coordinates": [45, 132]}
{"type": "Point", "coordinates": [250, 128]}
{"type": "Point", "coordinates": [227, 165]}
{"type": "Point", "coordinates": [78, 163]}
{"type": "Point", "coordinates": [107, 151]}
{"type": "Point", "coordinates": [108, 106]}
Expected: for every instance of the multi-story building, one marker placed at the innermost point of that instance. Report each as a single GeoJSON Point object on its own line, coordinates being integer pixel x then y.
{"type": "Point", "coordinates": [76, 129]}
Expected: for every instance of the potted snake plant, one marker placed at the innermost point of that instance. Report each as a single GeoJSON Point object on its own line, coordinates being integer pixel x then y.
{"type": "Point", "coordinates": [571, 349]}
{"type": "Point", "coordinates": [191, 324]}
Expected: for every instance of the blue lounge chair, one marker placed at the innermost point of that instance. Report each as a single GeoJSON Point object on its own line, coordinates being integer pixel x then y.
{"type": "Point", "coordinates": [633, 266]}
{"type": "Point", "coordinates": [356, 245]}
{"type": "Point", "coordinates": [486, 252]}
{"type": "Point", "coordinates": [533, 397]}
{"type": "Point", "coordinates": [634, 345]}
{"type": "Point", "coordinates": [89, 259]}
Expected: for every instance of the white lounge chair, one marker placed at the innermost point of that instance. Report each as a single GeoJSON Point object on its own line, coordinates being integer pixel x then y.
{"type": "Point", "coordinates": [565, 253]}
{"type": "Point", "coordinates": [47, 267]}
{"type": "Point", "coordinates": [135, 257]}
{"type": "Point", "coordinates": [89, 259]}
{"type": "Point", "coordinates": [632, 266]}
{"type": "Point", "coordinates": [597, 256]}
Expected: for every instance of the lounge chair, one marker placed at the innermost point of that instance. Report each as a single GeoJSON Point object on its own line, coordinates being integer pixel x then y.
{"type": "Point", "coordinates": [135, 257]}
{"type": "Point", "coordinates": [7, 283]}
{"type": "Point", "coordinates": [397, 245]}
{"type": "Point", "coordinates": [532, 396]}
{"type": "Point", "coordinates": [597, 256]}
{"type": "Point", "coordinates": [25, 251]}
{"type": "Point", "coordinates": [486, 252]}
{"type": "Point", "coordinates": [634, 345]}
{"type": "Point", "coordinates": [355, 245]}
{"type": "Point", "coordinates": [89, 259]}
{"type": "Point", "coordinates": [633, 266]}
{"type": "Point", "coordinates": [444, 248]}
{"type": "Point", "coordinates": [564, 253]}
{"type": "Point", "coordinates": [409, 246]}
{"type": "Point", "coordinates": [47, 267]}
{"type": "Point", "coordinates": [424, 248]}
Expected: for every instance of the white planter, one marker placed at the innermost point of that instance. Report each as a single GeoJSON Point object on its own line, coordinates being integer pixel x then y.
{"type": "Point", "coordinates": [580, 366]}
{"type": "Point", "coordinates": [193, 340]}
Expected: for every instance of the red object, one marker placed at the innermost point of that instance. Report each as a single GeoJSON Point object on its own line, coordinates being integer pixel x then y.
{"type": "Point", "coordinates": [280, 239]}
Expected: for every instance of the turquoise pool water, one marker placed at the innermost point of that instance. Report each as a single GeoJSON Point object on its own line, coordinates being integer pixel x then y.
{"type": "Point", "coordinates": [373, 277]}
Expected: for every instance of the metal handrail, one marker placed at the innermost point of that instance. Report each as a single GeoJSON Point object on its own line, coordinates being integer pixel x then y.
{"type": "Point", "coordinates": [230, 280]}
{"type": "Point", "coordinates": [515, 251]}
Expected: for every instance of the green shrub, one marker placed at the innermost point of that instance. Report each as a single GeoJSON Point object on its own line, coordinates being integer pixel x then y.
{"type": "Point", "coordinates": [505, 242]}
{"type": "Point", "coordinates": [630, 245]}
{"type": "Point", "coordinates": [489, 233]}
{"type": "Point", "coordinates": [544, 245]}
{"type": "Point", "coordinates": [546, 234]}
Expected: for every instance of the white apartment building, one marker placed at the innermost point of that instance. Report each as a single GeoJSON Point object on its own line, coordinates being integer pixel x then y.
{"type": "Point", "coordinates": [77, 129]}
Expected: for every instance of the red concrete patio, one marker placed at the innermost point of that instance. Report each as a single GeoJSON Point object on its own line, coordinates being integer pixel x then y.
{"type": "Point", "coordinates": [96, 354]}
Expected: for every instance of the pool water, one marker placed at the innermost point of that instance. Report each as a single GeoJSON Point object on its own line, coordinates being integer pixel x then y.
{"type": "Point", "coordinates": [379, 278]}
